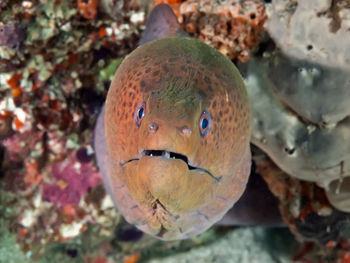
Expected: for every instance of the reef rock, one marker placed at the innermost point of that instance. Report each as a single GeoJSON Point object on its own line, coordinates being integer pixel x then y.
{"type": "Point", "coordinates": [300, 119]}
{"type": "Point", "coordinates": [233, 27]}
{"type": "Point", "coordinates": [316, 30]}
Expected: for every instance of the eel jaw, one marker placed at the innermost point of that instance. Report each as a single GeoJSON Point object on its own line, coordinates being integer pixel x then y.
{"type": "Point", "coordinates": [171, 155]}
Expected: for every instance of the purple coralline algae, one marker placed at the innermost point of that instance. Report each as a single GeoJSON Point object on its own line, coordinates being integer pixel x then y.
{"type": "Point", "coordinates": [73, 179]}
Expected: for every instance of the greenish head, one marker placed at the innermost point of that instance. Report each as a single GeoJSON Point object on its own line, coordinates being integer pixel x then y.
{"type": "Point", "coordinates": [177, 124]}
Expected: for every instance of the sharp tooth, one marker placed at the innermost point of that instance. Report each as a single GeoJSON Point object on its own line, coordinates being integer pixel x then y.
{"type": "Point", "coordinates": [166, 154]}
{"type": "Point", "coordinates": [151, 154]}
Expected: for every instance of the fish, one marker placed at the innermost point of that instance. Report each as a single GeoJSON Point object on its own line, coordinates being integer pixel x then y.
{"type": "Point", "coordinates": [172, 140]}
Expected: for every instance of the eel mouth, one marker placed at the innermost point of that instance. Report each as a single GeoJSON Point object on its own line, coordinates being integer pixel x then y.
{"type": "Point", "coordinates": [171, 155]}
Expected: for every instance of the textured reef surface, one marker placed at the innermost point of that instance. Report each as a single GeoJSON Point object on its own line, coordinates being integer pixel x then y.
{"type": "Point", "coordinates": [56, 62]}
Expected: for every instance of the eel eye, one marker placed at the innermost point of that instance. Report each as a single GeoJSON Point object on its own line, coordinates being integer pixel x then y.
{"type": "Point", "coordinates": [204, 123]}
{"type": "Point", "coordinates": [139, 113]}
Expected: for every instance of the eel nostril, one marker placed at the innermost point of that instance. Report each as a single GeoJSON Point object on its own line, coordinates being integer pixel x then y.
{"type": "Point", "coordinates": [153, 127]}
{"type": "Point", "coordinates": [185, 130]}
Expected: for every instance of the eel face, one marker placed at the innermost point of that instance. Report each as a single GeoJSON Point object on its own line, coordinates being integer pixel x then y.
{"type": "Point", "coordinates": [177, 127]}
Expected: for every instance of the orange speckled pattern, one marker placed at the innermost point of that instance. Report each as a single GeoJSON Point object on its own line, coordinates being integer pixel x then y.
{"type": "Point", "coordinates": [178, 79]}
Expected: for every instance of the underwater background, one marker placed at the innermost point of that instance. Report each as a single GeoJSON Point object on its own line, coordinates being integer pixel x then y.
{"type": "Point", "coordinates": [57, 59]}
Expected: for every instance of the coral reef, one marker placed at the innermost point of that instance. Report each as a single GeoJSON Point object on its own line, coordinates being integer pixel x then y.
{"type": "Point", "coordinates": [56, 61]}
{"type": "Point", "coordinates": [232, 27]}
{"type": "Point", "coordinates": [70, 180]}
{"type": "Point", "coordinates": [305, 86]}
{"type": "Point", "coordinates": [58, 202]}
{"type": "Point", "coordinates": [88, 9]}
{"type": "Point", "coordinates": [316, 152]}
{"type": "Point", "coordinates": [243, 245]}
{"type": "Point", "coordinates": [308, 214]}
{"type": "Point", "coordinates": [314, 30]}
{"type": "Point", "coordinates": [11, 34]}
{"type": "Point", "coordinates": [308, 85]}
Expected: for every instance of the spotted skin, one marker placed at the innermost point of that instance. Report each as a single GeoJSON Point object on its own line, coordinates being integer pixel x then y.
{"type": "Point", "coordinates": [178, 78]}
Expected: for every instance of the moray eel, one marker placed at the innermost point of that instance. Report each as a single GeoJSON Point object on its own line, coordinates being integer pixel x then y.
{"type": "Point", "coordinates": [172, 141]}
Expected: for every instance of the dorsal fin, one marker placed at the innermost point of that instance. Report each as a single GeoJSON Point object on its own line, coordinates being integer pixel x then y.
{"type": "Point", "coordinates": [162, 22]}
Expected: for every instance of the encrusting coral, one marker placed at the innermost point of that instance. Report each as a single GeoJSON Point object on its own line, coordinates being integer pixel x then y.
{"type": "Point", "coordinates": [233, 27]}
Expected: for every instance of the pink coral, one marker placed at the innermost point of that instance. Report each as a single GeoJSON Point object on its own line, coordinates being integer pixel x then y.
{"type": "Point", "coordinates": [17, 151]}
{"type": "Point", "coordinates": [73, 179]}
